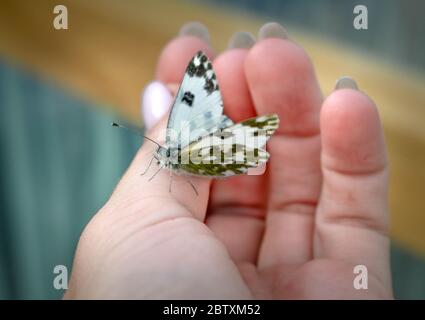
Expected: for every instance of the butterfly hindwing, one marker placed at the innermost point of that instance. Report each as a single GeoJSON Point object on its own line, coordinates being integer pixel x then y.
{"type": "Point", "coordinates": [232, 150]}
{"type": "Point", "coordinates": [253, 132]}
{"type": "Point", "coordinates": [225, 165]}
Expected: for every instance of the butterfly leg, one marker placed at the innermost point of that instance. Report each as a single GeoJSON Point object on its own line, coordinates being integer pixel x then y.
{"type": "Point", "coordinates": [151, 178]}
{"type": "Point", "coordinates": [146, 170]}
{"type": "Point", "coordinates": [171, 180]}
{"type": "Point", "coordinates": [193, 187]}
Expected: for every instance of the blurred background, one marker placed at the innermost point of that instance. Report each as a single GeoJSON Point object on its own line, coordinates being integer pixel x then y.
{"type": "Point", "coordinates": [60, 89]}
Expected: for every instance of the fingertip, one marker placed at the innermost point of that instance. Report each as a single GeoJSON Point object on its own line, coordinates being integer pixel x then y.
{"type": "Point", "coordinates": [172, 63]}
{"type": "Point", "coordinates": [282, 80]}
{"type": "Point", "coordinates": [229, 68]}
{"type": "Point", "coordinates": [352, 136]}
{"type": "Point", "coordinates": [346, 106]}
{"type": "Point", "coordinates": [274, 53]}
{"type": "Point", "coordinates": [176, 55]}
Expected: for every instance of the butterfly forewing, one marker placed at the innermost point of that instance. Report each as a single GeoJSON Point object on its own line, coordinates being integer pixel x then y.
{"type": "Point", "coordinates": [198, 107]}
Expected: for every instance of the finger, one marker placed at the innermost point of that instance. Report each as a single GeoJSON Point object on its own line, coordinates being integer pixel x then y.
{"type": "Point", "coordinates": [153, 191]}
{"type": "Point", "coordinates": [352, 218]}
{"type": "Point", "coordinates": [236, 217]}
{"type": "Point", "coordinates": [282, 80]}
{"type": "Point", "coordinates": [154, 197]}
{"type": "Point", "coordinates": [176, 55]}
{"type": "Point", "coordinates": [170, 69]}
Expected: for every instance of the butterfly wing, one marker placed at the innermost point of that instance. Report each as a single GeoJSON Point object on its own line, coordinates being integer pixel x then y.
{"type": "Point", "coordinates": [198, 107]}
{"type": "Point", "coordinates": [253, 132]}
{"type": "Point", "coordinates": [232, 150]}
{"type": "Point", "coordinates": [226, 169]}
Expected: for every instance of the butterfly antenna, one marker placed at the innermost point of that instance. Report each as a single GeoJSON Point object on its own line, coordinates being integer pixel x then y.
{"type": "Point", "coordinates": [114, 124]}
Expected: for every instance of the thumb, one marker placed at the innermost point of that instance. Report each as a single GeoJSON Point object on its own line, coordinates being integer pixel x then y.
{"type": "Point", "coordinates": [147, 187]}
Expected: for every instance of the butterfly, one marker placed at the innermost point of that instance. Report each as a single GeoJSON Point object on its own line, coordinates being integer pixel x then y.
{"type": "Point", "coordinates": [200, 139]}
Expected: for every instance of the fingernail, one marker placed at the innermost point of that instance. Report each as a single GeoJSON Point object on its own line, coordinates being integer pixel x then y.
{"type": "Point", "coordinates": [346, 83]}
{"type": "Point", "coordinates": [241, 40]}
{"type": "Point", "coordinates": [272, 30]}
{"type": "Point", "coordinates": [173, 88]}
{"type": "Point", "coordinates": [156, 99]}
{"type": "Point", "coordinates": [195, 29]}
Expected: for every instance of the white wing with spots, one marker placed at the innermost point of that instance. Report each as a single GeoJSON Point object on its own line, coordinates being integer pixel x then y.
{"type": "Point", "coordinates": [198, 107]}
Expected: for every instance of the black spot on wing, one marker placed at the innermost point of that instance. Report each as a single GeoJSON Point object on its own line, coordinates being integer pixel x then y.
{"type": "Point", "coordinates": [188, 98]}
{"type": "Point", "coordinates": [209, 86]}
{"type": "Point", "coordinates": [201, 67]}
{"type": "Point", "coordinates": [191, 69]}
{"type": "Point", "coordinates": [200, 70]}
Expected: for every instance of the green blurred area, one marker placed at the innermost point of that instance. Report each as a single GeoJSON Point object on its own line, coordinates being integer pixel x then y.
{"type": "Point", "coordinates": [60, 160]}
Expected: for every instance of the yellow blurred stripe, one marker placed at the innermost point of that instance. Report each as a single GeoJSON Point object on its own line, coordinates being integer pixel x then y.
{"type": "Point", "coordinates": [109, 52]}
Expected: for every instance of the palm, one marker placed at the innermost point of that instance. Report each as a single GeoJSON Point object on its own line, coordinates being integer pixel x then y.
{"type": "Point", "coordinates": [308, 223]}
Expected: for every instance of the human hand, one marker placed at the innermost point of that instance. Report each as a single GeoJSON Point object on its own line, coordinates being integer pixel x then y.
{"type": "Point", "coordinates": [295, 232]}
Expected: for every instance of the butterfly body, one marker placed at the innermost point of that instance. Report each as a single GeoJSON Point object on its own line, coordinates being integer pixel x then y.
{"type": "Point", "coordinates": [201, 140]}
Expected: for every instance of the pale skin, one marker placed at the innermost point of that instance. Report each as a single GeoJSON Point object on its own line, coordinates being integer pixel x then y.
{"type": "Point", "coordinates": [295, 232]}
